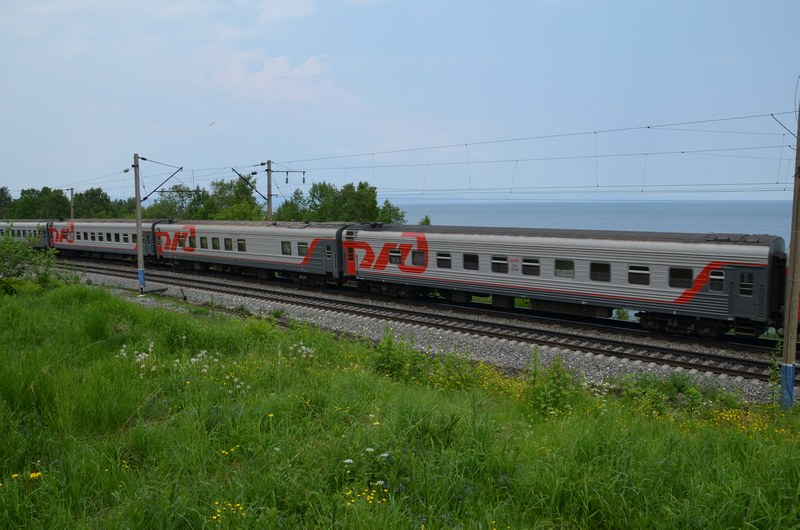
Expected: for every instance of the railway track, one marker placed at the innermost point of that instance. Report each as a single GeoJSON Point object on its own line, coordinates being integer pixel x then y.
{"type": "Point", "coordinates": [464, 322]}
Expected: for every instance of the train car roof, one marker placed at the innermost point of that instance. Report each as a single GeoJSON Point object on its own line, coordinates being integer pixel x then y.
{"type": "Point", "coordinates": [573, 233]}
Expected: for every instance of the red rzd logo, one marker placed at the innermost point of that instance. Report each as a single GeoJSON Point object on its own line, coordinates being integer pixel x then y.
{"type": "Point", "coordinates": [369, 260]}
{"type": "Point", "coordinates": [176, 240]}
{"type": "Point", "coordinates": [65, 235]}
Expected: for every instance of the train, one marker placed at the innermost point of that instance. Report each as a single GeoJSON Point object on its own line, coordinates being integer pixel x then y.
{"type": "Point", "coordinates": [688, 283]}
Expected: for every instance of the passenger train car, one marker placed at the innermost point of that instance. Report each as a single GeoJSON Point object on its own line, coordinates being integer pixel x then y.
{"type": "Point", "coordinates": [701, 283]}
{"type": "Point", "coordinates": [689, 283]}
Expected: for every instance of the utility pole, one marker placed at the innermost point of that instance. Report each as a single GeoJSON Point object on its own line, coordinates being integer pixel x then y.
{"type": "Point", "coordinates": [139, 240]}
{"type": "Point", "coordinates": [793, 293]}
{"type": "Point", "coordinates": [269, 190]}
{"type": "Point", "coordinates": [71, 203]}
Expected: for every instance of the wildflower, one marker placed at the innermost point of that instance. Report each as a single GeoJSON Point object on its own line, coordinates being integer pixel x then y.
{"type": "Point", "coordinates": [35, 474]}
{"type": "Point", "coordinates": [347, 461]}
{"type": "Point", "coordinates": [15, 475]}
{"type": "Point", "coordinates": [369, 450]}
{"type": "Point", "coordinates": [384, 455]}
{"type": "Point", "coordinates": [270, 415]}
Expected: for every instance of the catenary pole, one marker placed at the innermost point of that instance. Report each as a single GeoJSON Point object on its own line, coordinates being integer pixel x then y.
{"type": "Point", "coordinates": [72, 203]}
{"type": "Point", "coordinates": [269, 190]}
{"type": "Point", "coordinates": [139, 240]}
{"type": "Point", "coordinates": [793, 292]}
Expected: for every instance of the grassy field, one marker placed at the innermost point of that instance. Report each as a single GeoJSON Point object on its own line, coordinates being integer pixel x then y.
{"type": "Point", "coordinates": [113, 415]}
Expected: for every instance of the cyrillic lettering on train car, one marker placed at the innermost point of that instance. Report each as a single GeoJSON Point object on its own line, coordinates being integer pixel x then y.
{"type": "Point", "coordinates": [369, 260]}
{"type": "Point", "coordinates": [64, 235]}
{"type": "Point", "coordinates": [170, 241]}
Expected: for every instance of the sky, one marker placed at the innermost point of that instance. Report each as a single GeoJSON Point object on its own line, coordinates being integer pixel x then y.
{"type": "Point", "coordinates": [427, 100]}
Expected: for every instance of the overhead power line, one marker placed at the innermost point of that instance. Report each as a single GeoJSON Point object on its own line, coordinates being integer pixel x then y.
{"type": "Point", "coordinates": [541, 137]}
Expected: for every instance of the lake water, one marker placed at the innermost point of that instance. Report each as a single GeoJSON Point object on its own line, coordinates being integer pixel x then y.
{"type": "Point", "coordinates": [742, 217]}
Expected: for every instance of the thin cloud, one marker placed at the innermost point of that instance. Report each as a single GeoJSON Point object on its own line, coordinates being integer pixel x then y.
{"type": "Point", "coordinates": [278, 78]}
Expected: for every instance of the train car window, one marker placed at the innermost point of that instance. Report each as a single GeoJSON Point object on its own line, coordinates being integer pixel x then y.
{"type": "Point", "coordinates": [86, 236]}
{"type": "Point", "coordinates": [565, 268]}
{"type": "Point", "coordinates": [471, 262]}
{"type": "Point", "coordinates": [228, 243]}
{"type": "Point", "coordinates": [639, 275]}
{"type": "Point", "coordinates": [395, 256]}
{"type": "Point", "coordinates": [716, 281]}
{"type": "Point", "coordinates": [241, 245]}
{"type": "Point", "coordinates": [499, 264]}
{"type": "Point", "coordinates": [108, 236]}
{"type": "Point", "coordinates": [134, 238]}
{"type": "Point", "coordinates": [215, 243]}
{"type": "Point", "coordinates": [192, 242]}
{"type": "Point", "coordinates": [746, 284]}
{"type": "Point", "coordinates": [100, 236]}
{"type": "Point", "coordinates": [203, 242]}
{"type": "Point", "coordinates": [92, 235]}
{"type": "Point", "coordinates": [124, 238]}
{"type": "Point", "coordinates": [418, 258]}
{"type": "Point", "coordinates": [181, 241]}
{"type": "Point", "coordinates": [302, 249]}
{"type": "Point", "coordinates": [530, 267]}
{"type": "Point", "coordinates": [681, 278]}
{"type": "Point", "coordinates": [600, 272]}
{"type": "Point", "coordinates": [443, 260]}
{"type": "Point", "coordinates": [286, 248]}
{"type": "Point", "coordinates": [78, 236]}
{"type": "Point", "coordinates": [116, 238]}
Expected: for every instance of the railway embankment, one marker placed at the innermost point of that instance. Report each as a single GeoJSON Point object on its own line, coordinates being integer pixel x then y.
{"type": "Point", "coordinates": [125, 414]}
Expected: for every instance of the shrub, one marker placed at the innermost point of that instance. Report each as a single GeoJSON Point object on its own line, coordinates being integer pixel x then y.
{"type": "Point", "coordinates": [19, 260]}
{"type": "Point", "coordinates": [400, 361]}
{"type": "Point", "coordinates": [551, 389]}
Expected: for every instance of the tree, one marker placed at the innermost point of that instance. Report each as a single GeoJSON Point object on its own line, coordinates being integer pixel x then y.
{"type": "Point", "coordinates": [5, 202]}
{"type": "Point", "coordinates": [426, 221]}
{"type": "Point", "coordinates": [292, 209]}
{"type": "Point", "coordinates": [325, 202]}
{"type": "Point", "coordinates": [234, 200]}
{"type": "Point", "coordinates": [123, 208]}
{"type": "Point", "coordinates": [391, 214]}
{"type": "Point", "coordinates": [171, 204]}
{"type": "Point", "coordinates": [93, 203]}
{"type": "Point", "coordinates": [41, 204]}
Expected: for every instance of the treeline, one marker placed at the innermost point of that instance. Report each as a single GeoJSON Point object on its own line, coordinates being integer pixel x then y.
{"type": "Point", "coordinates": [226, 200]}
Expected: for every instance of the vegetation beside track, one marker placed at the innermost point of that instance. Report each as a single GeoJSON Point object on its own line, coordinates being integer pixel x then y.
{"type": "Point", "coordinates": [117, 415]}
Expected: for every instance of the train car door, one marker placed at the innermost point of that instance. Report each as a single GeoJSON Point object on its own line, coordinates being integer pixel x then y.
{"type": "Point", "coordinates": [749, 293]}
{"type": "Point", "coordinates": [330, 261]}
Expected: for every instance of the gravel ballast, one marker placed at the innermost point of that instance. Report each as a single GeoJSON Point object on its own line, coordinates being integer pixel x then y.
{"type": "Point", "coordinates": [510, 355]}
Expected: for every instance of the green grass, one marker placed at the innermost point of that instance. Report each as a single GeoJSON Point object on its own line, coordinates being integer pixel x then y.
{"type": "Point", "coordinates": [117, 416]}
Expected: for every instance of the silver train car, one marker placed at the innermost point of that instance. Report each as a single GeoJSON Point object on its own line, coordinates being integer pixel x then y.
{"type": "Point", "coordinates": [307, 253]}
{"type": "Point", "coordinates": [688, 283]}
{"type": "Point", "coordinates": [33, 230]}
